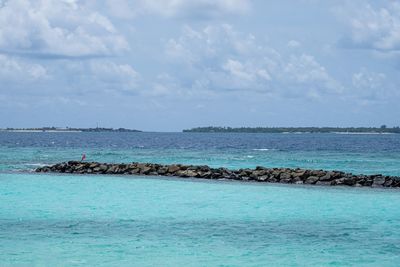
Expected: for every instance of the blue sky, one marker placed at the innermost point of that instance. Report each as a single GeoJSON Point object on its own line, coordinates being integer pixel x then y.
{"type": "Point", "coordinates": [166, 65]}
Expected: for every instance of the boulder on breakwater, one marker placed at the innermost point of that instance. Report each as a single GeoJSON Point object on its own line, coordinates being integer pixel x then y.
{"type": "Point", "coordinates": [259, 174]}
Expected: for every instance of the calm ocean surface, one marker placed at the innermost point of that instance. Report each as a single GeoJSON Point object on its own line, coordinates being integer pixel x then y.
{"type": "Point", "coordinates": [63, 220]}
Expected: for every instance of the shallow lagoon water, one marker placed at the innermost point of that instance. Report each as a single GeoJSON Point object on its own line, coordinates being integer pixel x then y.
{"type": "Point", "coordinates": [104, 220]}
{"type": "Point", "coordinates": [78, 220]}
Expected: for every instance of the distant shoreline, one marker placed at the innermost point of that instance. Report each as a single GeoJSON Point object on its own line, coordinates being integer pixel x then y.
{"type": "Point", "coordinates": [65, 130]}
{"type": "Point", "coordinates": [273, 130]}
{"type": "Point", "coordinates": [40, 131]}
{"type": "Point", "coordinates": [297, 130]}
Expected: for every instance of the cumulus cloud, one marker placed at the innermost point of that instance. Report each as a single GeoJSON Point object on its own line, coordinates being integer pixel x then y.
{"type": "Point", "coordinates": [219, 58]}
{"type": "Point", "coordinates": [51, 28]}
{"type": "Point", "coordinates": [375, 28]}
{"type": "Point", "coordinates": [304, 69]}
{"type": "Point", "coordinates": [164, 85]}
{"type": "Point", "coordinates": [115, 77]}
{"type": "Point", "coordinates": [293, 44]}
{"type": "Point", "coordinates": [179, 8]}
{"type": "Point", "coordinates": [372, 86]}
{"type": "Point", "coordinates": [365, 79]}
{"type": "Point", "coordinates": [15, 70]}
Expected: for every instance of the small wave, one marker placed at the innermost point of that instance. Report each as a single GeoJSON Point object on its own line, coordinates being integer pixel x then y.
{"type": "Point", "coordinates": [249, 156]}
{"type": "Point", "coordinates": [261, 149]}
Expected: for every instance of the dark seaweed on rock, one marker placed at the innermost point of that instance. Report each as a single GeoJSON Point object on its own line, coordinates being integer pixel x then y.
{"type": "Point", "coordinates": [259, 174]}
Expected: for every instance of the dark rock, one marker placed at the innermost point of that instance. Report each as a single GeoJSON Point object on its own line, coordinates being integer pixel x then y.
{"type": "Point", "coordinates": [111, 169]}
{"type": "Point", "coordinates": [338, 181]}
{"type": "Point", "coordinates": [312, 180]}
{"type": "Point", "coordinates": [285, 181]}
{"type": "Point", "coordinates": [181, 173]}
{"type": "Point", "coordinates": [206, 174]}
{"type": "Point", "coordinates": [367, 182]}
{"type": "Point", "coordinates": [327, 177]}
{"type": "Point", "coordinates": [285, 176]}
{"type": "Point", "coordinates": [262, 178]}
{"type": "Point", "coordinates": [301, 174]}
{"type": "Point", "coordinates": [93, 165]}
{"type": "Point", "coordinates": [260, 168]}
{"type": "Point", "coordinates": [296, 180]}
{"type": "Point", "coordinates": [396, 182]}
{"type": "Point", "coordinates": [216, 175]}
{"type": "Point", "coordinates": [191, 173]}
{"type": "Point", "coordinates": [253, 176]}
{"type": "Point", "coordinates": [234, 176]}
{"type": "Point", "coordinates": [318, 173]}
{"type": "Point", "coordinates": [145, 170]}
{"type": "Point", "coordinates": [378, 181]}
{"type": "Point", "coordinates": [103, 167]}
{"type": "Point", "coordinates": [349, 181]}
{"type": "Point", "coordinates": [173, 168]}
{"type": "Point", "coordinates": [260, 174]}
{"type": "Point", "coordinates": [134, 171]}
{"type": "Point", "coordinates": [182, 167]}
{"type": "Point", "coordinates": [204, 168]}
{"type": "Point", "coordinates": [388, 182]}
{"type": "Point", "coordinates": [243, 174]}
{"type": "Point", "coordinates": [162, 171]}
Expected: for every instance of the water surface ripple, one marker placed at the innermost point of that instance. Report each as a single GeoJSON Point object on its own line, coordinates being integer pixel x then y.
{"type": "Point", "coordinates": [78, 220]}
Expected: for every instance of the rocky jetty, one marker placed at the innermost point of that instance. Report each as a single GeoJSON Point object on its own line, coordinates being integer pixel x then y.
{"type": "Point", "coordinates": [259, 174]}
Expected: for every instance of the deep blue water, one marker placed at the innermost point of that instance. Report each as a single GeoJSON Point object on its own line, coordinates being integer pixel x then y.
{"type": "Point", "coordinates": [61, 220]}
{"type": "Point", "coordinates": [353, 153]}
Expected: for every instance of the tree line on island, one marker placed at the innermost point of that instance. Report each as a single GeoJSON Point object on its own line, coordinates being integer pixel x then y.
{"type": "Point", "coordinates": [213, 129]}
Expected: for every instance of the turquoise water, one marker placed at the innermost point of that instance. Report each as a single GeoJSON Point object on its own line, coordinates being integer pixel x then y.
{"type": "Point", "coordinates": [97, 220]}
{"type": "Point", "coordinates": [63, 220]}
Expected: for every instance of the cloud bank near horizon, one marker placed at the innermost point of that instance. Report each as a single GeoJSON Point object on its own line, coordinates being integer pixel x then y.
{"type": "Point", "coordinates": [171, 64]}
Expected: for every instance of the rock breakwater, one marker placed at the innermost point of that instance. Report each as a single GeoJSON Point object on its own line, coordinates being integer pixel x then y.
{"type": "Point", "coordinates": [259, 174]}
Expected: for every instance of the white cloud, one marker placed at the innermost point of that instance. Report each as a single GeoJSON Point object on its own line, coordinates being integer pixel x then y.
{"type": "Point", "coordinates": [114, 77]}
{"type": "Point", "coordinates": [219, 58]}
{"type": "Point", "coordinates": [293, 44]}
{"type": "Point", "coordinates": [57, 28]}
{"type": "Point", "coordinates": [236, 69]}
{"type": "Point", "coordinates": [372, 86]}
{"type": "Point", "coordinates": [70, 78]}
{"type": "Point", "coordinates": [376, 28]}
{"type": "Point", "coordinates": [97, 76]}
{"type": "Point", "coordinates": [304, 69]}
{"type": "Point", "coordinates": [163, 86]}
{"type": "Point", "coordinates": [178, 8]}
{"type": "Point", "coordinates": [365, 79]}
{"type": "Point", "coordinates": [15, 70]}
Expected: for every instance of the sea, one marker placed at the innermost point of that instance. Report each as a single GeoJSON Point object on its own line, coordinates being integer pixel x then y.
{"type": "Point", "coordinates": [100, 220]}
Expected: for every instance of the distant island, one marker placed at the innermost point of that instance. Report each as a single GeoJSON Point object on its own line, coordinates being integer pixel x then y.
{"type": "Point", "coordinates": [67, 129]}
{"type": "Point", "coordinates": [212, 129]}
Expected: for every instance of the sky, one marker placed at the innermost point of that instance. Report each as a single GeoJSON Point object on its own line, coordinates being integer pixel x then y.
{"type": "Point", "coordinates": [168, 65]}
